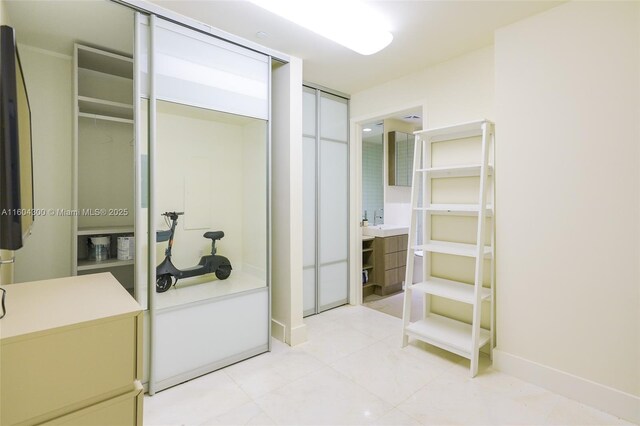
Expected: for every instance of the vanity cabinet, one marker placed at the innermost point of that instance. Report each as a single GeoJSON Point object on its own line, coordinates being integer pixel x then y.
{"type": "Point", "coordinates": [368, 266]}
{"type": "Point", "coordinates": [390, 263]}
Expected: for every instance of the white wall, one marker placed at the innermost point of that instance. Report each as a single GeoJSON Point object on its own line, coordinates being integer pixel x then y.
{"type": "Point", "coordinates": [48, 79]}
{"type": "Point", "coordinates": [568, 186]}
{"type": "Point", "coordinates": [451, 92]}
{"type": "Point", "coordinates": [254, 169]}
{"type": "Point", "coordinates": [286, 291]}
{"type": "Point", "coordinates": [455, 91]}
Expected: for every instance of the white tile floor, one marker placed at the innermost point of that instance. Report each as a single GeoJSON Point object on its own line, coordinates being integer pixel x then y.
{"type": "Point", "coordinates": [352, 371]}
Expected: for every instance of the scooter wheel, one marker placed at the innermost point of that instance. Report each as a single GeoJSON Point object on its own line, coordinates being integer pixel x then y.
{"type": "Point", "coordinates": [223, 272]}
{"type": "Point", "coordinates": [163, 283]}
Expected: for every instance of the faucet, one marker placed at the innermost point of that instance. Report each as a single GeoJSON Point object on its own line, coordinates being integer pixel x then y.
{"type": "Point", "coordinates": [378, 217]}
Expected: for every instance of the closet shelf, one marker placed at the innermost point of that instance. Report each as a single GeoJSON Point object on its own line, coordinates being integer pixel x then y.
{"type": "Point", "coordinates": [105, 118]}
{"type": "Point", "coordinates": [453, 290]}
{"type": "Point", "coordinates": [458, 249]}
{"type": "Point", "coordinates": [103, 107]}
{"type": "Point", "coordinates": [106, 62]}
{"type": "Point", "coordinates": [446, 333]}
{"type": "Point", "coordinates": [469, 170]}
{"type": "Point", "coordinates": [87, 265]}
{"type": "Point", "coordinates": [97, 230]}
{"type": "Point", "coordinates": [459, 131]}
{"type": "Point", "coordinates": [456, 209]}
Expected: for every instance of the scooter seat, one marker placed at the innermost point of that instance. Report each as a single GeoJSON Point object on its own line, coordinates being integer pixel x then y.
{"type": "Point", "coordinates": [214, 235]}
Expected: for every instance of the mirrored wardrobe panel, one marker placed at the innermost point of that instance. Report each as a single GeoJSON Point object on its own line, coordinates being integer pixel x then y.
{"type": "Point", "coordinates": [208, 106]}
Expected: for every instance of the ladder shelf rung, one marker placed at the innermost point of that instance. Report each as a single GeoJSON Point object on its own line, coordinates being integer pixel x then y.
{"type": "Point", "coordinates": [469, 170]}
{"type": "Point", "coordinates": [457, 131]}
{"type": "Point", "coordinates": [456, 209]}
{"type": "Point", "coordinates": [446, 333]}
{"type": "Point", "coordinates": [458, 249]}
{"type": "Point", "coordinates": [453, 290]}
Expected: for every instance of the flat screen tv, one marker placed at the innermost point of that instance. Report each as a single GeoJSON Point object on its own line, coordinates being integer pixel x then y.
{"type": "Point", "coordinates": [16, 164]}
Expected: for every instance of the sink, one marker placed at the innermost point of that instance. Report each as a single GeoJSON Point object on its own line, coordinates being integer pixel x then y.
{"type": "Point", "coordinates": [384, 230]}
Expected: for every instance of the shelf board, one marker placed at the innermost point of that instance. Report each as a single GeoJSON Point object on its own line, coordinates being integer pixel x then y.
{"type": "Point", "coordinates": [446, 333]}
{"type": "Point", "coordinates": [91, 230]}
{"type": "Point", "coordinates": [367, 267]}
{"type": "Point", "coordinates": [369, 284]}
{"type": "Point", "coordinates": [458, 249]}
{"type": "Point", "coordinates": [453, 290]}
{"type": "Point", "coordinates": [468, 170]}
{"type": "Point", "coordinates": [456, 209]}
{"type": "Point", "coordinates": [100, 73]}
{"type": "Point", "coordinates": [104, 107]}
{"type": "Point", "coordinates": [86, 265]}
{"type": "Point", "coordinates": [459, 131]}
{"type": "Point", "coordinates": [364, 250]}
{"type": "Point", "coordinates": [367, 238]}
{"type": "Point", "coordinates": [104, 118]}
{"type": "Point", "coordinates": [107, 62]}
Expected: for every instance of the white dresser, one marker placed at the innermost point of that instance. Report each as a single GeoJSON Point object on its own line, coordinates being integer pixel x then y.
{"type": "Point", "coordinates": [71, 353]}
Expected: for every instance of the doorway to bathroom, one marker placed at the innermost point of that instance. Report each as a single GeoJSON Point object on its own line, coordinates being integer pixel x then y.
{"type": "Point", "coordinates": [386, 149]}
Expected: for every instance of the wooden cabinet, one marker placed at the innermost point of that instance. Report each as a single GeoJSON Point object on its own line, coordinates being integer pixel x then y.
{"type": "Point", "coordinates": [71, 353]}
{"type": "Point", "coordinates": [368, 266]}
{"type": "Point", "coordinates": [390, 263]}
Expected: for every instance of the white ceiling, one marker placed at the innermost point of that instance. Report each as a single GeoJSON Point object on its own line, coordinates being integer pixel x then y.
{"type": "Point", "coordinates": [425, 33]}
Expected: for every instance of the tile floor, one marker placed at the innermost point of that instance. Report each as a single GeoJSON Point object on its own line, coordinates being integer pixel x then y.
{"type": "Point", "coordinates": [394, 304]}
{"type": "Point", "coordinates": [352, 371]}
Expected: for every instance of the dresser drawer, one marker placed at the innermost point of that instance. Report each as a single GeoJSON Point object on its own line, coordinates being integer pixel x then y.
{"type": "Point", "coordinates": [121, 410]}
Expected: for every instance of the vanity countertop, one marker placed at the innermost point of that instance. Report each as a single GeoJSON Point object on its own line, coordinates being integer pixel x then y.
{"type": "Point", "coordinates": [384, 230]}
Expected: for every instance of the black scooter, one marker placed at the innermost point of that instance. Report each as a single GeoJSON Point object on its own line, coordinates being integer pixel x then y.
{"type": "Point", "coordinates": [210, 263]}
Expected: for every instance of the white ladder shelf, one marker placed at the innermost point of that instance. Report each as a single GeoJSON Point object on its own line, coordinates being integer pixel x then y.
{"type": "Point", "coordinates": [449, 334]}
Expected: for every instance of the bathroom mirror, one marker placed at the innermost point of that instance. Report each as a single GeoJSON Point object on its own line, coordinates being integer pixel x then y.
{"type": "Point", "coordinates": [372, 171]}
{"type": "Point", "coordinates": [401, 147]}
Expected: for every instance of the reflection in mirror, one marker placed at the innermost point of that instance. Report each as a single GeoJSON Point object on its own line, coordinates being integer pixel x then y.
{"type": "Point", "coordinates": [95, 145]}
{"type": "Point", "coordinates": [213, 167]}
{"type": "Point", "coordinates": [372, 171]}
{"type": "Point", "coordinates": [401, 148]}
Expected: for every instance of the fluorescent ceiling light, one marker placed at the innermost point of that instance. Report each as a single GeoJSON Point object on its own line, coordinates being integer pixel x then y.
{"type": "Point", "coordinates": [351, 23]}
{"type": "Point", "coordinates": [366, 129]}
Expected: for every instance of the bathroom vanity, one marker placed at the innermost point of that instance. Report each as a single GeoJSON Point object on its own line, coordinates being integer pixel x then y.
{"type": "Point", "coordinates": [387, 263]}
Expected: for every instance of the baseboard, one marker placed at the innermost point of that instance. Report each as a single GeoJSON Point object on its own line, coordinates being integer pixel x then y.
{"type": "Point", "coordinates": [298, 335]}
{"type": "Point", "coordinates": [605, 398]}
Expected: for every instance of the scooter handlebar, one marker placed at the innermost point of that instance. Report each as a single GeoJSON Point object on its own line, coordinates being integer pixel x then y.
{"type": "Point", "coordinates": [172, 215]}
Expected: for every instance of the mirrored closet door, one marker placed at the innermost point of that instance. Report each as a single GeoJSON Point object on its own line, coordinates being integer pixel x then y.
{"type": "Point", "coordinates": [207, 106]}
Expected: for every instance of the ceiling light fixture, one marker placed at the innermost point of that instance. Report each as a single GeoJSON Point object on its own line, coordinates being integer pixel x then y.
{"type": "Point", "coordinates": [366, 129]}
{"type": "Point", "coordinates": [351, 23]}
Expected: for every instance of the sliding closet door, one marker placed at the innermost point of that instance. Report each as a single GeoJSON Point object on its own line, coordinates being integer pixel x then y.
{"type": "Point", "coordinates": [209, 158]}
{"type": "Point", "coordinates": [333, 197]}
{"type": "Point", "coordinates": [309, 252]}
{"type": "Point", "coordinates": [325, 185]}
